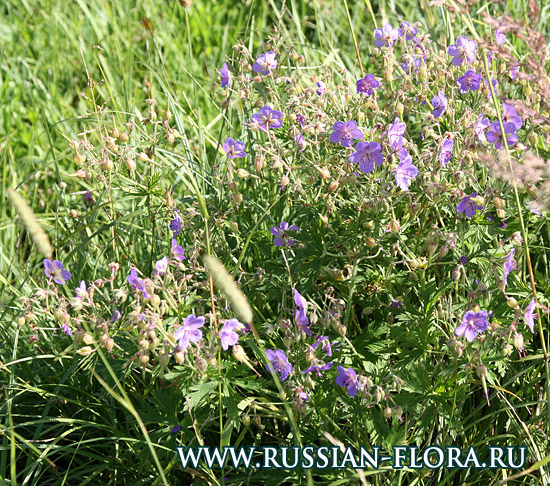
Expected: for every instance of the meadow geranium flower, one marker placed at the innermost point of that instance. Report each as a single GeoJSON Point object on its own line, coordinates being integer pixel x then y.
{"type": "Point", "coordinates": [407, 30]}
{"type": "Point", "coordinates": [345, 133]}
{"type": "Point", "coordinates": [225, 75]}
{"type": "Point", "coordinates": [189, 331]}
{"type": "Point", "coordinates": [366, 85]}
{"type": "Point", "coordinates": [510, 115]}
{"type": "Point", "coordinates": [116, 315]}
{"type": "Point", "coordinates": [302, 322]}
{"type": "Point", "coordinates": [176, 251]}
{"type": "Point", "coordinates": [494, 135]}
{"type": "Point", "coordinates": [470, 81]}
{"type": "Point", "coordinates": [347, 378]}
{"type": "Point", "coordinates": [410, 63]}
{"type": "Point", "coordinates": [161, 266]}
{"type": "Point", "coordinates": [267, 118]}
{"type": "Point", "coordinates": [318, 368]}
{"type": "Point", "coordinates": [81, 291]}
{"type": "Point", "coordinates": [234, 149]}
{"type": "Point", "coordinates": [300, 141]}
{"type": "Point", "coordinates": [55, 270]}
{"type": "Point", "coordinates": [514, 70]}
{"type": "Point", "coordinates": [469, 206]}
{"type": "Point", "coordinates": [320, 87]}
{"type": "Point", "coordinates": [472, 324]}
{"type": "Point", "coordinates": [137, 283]}
{"type": "Point", "coordinates": [325, 343]}
{"type": "Point", "coordinates": [67, 330]}
{"type": "Point", "coordinates": [299, 300]}
{"type": "Point", "coordinates": [175, 224]}
{"type": "Point", "coordinates": [463, 50]}
{"type": "Point", "coordinates": [281, 236]}
{"type": "Point", "coordinates": [395, 134]}
{"type": "Point", "coordinates": [386, 36]}
{"type": "Point", "coordinates": [480, 126]}
{"type": "Point", "coordinates": [529, 315]}
{"type": "Point", "coordinates": [509, 265]}
{"type": "Point", "coordinates": [406, 171]}
{"type": "Point", "coordinates": [279, 362]}
{"type": "Point", "coordinates": [500, 37]}
{"type": "Point", "coordinates": [367, 155]}
{"type": "Point", "coordinates": [494, 82]}
{"type": "Point", "coordinates": [265, 63]}
{"type": "Point", "coordinates": [446, 151]}
{"type": "Point", "coordinates": [228, 336]}
{"type": "Point", "coordinates": [440, 104]}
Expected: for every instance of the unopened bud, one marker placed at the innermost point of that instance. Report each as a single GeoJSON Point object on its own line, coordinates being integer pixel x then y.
{"type": "Point", "coordinates": [239, 353]}
{"type": "Point", "coordinates": [179, 356]}
{"type": "Point", "coordinates": [143, 359]}
{"type": "Point", "coordinates": [395, 227]}
{"type": "Point", "coordinates": [512, 303]}
{"type": "Point", "coordinates": [370, 242]}
{"type": "Point", "coordinates": [481, 371]}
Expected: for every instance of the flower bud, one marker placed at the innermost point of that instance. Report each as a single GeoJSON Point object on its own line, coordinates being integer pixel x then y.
{"type": "Point", "coordinates": [21, 320]}
{"type": "Point", "coordinates": [257, 420]}
{"type": "Point", "coordinates": [395, 227]}
{"type": "Point", "coordinates": [239, 353]}
{"type": "Point", "coordinates": [518, 341]}
{"type": "Point", "coordinates": [179, 356]}
{"type": "Point", "coordinates": [287, 341]}
{"type": "Point", "coordinates": [79, 159]}
{"type": "Point", "coordinates": [499, 203]}
{"type": "Point", "coordinates": [234, 226]}
{"type": "Point", "coordinates": [512, 303]}
{"type": "Point", "coordinates": [443, 251]}
{"type": "Point", "coordinates": [130, 164]}
{"type": "Point", "coordinates": [143, 359]}
{"type": "Point", "coordinates": [501, 213]}
{"type": "Point", "coordinates": [245, 419]}
{"type": "Point", "coordinates": [106, 165]}
{"type": "Point", "coordinates": [333, 186]}
{"type": "Point", "coordinates": [154, 300]}
{"type": "Point", "coordinates": [387, 412]}
{"type": "Point", "coordinates": [370, 242]}
{"type": "Point", "coordinates": [481, 371]}
{"type": "Point", "coordinates": [243, 174]}
{"type": "Point", "coordinates": [501, 285]}
{"type": "Point", "coordinates": [85, 351]}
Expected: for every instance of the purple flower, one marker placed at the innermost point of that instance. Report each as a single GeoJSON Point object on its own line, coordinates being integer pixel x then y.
{"type": "Point", "coordinates": [494, 135]}
{"type": "Point", "coordinates": [266, 119]}
{"type": "Point", "coordinates": [345, 132]}
{"type": "Point", "coordinates": [395, 303]}
{"type": "Point", "coordinates": [189, 331]}
{"type": "Point", "coordinates": [176, 251]}
{"type": "Point", "coordinates": [514, 70]}
{"type": "Point", "coordinates": [161, 266]}
{"type": "Point", "coordinates": [116, 315]}
{"type": "Point", "coordinates": [463, 50]}
{"type": "Point", "coordinates": [500, 37]}
{"type": "Point", "coordinates": [279, 362]}
{"type": "Point", "coordinates": [265, 63]}
{"type": "Point", "coordinates": [494, 82]}
{"type": "Point", "coordinates": [228, 336]}
{"type": "Point", "coordinates": [225, 75]}
{"type": "Point", "coordinates": [406, 171]}
{"type": "Point", "coordinates": [137, 283]}
{"type": "Point", "coordinates": [325, 343]}
{"type": "Point", "coordinates": [480, 126]}
{"type": "Point", "coordinates": [530, 316]}
{"type": "Point", "coordinates": [318, 368]}
{"type": "Point", "coordinates": [55, 270]}
{"type": "Point", "coordinates": [302, 322]}
{"type": "Point", "coordinates": [463, 260]}
{"type": "Point", "coordinates": [509, 265]}
{"type": "Point", "coordinates": [234, 149]}
{"type": "Point", "coordinates": [440, 104]}
{"type": "Point", "coordinates": [411, 63]}
{"type": "Point", "coordinates": [386, 36]}
{"type": "Point", "coordinates": [67, 330]}
{"type": "Point", "coordinates": [175, 429]}
{"type": "Point", "coordinates": [407, 30]}
{"type": "Point", "coordinates": [175, 224]}
{"type": "Point", "coordinates": [446, 152]}
{"type": "Point", "coordinates": [366, 85]}
{"type": "Point", "coordinates": [281, 236]}
{"type": "Point", "coordinates": [395, 134]}
{"type": "Point", "coordinates": [299, 300]}
{"type": "Point", "coordinates": [510, 115]}
{"type": "Point", "coordinates": [80, 291]}
{"type": "Point", "coordinates": [348, 379]}
{"type": "Point", "coordinates": [321, 87]}
{"type": "Point", "coordinates": [300, 141]}
{"type": "Point", "coordinates": [367, 155]}
{"type": "Point", "coordinates": [469, 206]}
{"type": "Point", "coordinates": [470, 81]}
{"type": "Point", "coordinates": [472, 324]}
